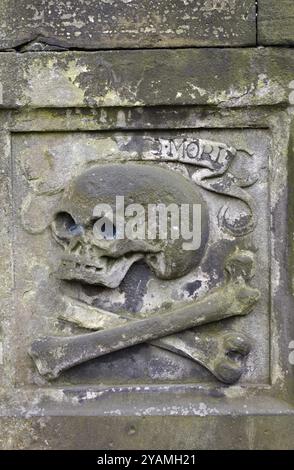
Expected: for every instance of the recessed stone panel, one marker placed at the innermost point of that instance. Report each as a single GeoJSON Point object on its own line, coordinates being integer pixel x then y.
{"type": "Point", "coordinates": [46, 163]}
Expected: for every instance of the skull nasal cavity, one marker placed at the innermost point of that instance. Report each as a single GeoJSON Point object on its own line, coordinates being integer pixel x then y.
{"type": "Point", "coordinates": [108, 231]}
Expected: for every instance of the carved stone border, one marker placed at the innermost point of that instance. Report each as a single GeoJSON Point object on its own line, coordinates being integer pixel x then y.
{"type": "Point", "coordinates": [157, 400]}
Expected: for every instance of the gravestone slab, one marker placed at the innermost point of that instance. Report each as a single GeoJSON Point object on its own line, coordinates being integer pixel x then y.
{"type": "Point", "coordinates": [133, 335]}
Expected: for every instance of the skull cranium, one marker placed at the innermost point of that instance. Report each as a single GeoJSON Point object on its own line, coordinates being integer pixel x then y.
{"type": "Point", "coordinates": [106, 261]}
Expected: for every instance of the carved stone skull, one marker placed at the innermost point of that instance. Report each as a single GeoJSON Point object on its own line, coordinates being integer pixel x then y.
{"type": "Point", "coordinates": [106, 261]}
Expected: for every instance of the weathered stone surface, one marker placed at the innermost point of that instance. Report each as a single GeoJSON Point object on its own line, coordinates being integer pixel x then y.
{"type": "Point", "coordinates": [227, 78]}
{"type": "Point", "coordinates": [185, 432]}
{"type": "Point", "coordinates": [275, 22]}
{"type": "Point", "coordinates": [126, 23]}
{"type": "Point", "coordinates": [210, 125]}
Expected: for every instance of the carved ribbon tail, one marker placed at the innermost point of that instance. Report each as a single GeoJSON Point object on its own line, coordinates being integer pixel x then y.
{"type": "Point", "coordinates": [230, 186]}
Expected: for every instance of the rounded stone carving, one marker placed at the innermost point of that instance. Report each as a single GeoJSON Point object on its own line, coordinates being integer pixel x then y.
{"type": "Point", "coordinates": [106, 261]}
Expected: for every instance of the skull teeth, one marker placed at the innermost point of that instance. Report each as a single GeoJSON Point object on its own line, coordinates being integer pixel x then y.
{"type": "Point", "coordinates": [79, 266]}
{"type": "Point", "coordinates": [110, 273]}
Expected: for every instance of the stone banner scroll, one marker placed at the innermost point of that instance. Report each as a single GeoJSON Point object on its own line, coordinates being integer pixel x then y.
{"type": "Point", "coordinates": [215, 159]}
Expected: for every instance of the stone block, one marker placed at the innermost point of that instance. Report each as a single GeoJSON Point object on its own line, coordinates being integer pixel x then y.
{"type": "Point", "coordinates": [275, 23]}
{"type": "Point", "coordinates": [115, 24]}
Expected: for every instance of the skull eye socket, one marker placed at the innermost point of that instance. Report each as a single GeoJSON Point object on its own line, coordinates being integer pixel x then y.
{"type": "Point", "coordinates": [64, 226]}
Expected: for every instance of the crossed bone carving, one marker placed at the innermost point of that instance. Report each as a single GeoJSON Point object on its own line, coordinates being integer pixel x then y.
{"type": "Point", "coordinates": [221, 352]}
{"type": "Point", "coordinates": [53, 355]}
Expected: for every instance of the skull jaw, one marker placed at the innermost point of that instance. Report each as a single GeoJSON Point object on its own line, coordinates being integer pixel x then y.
{"type": "Point", "coordinates": [109, 275]}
